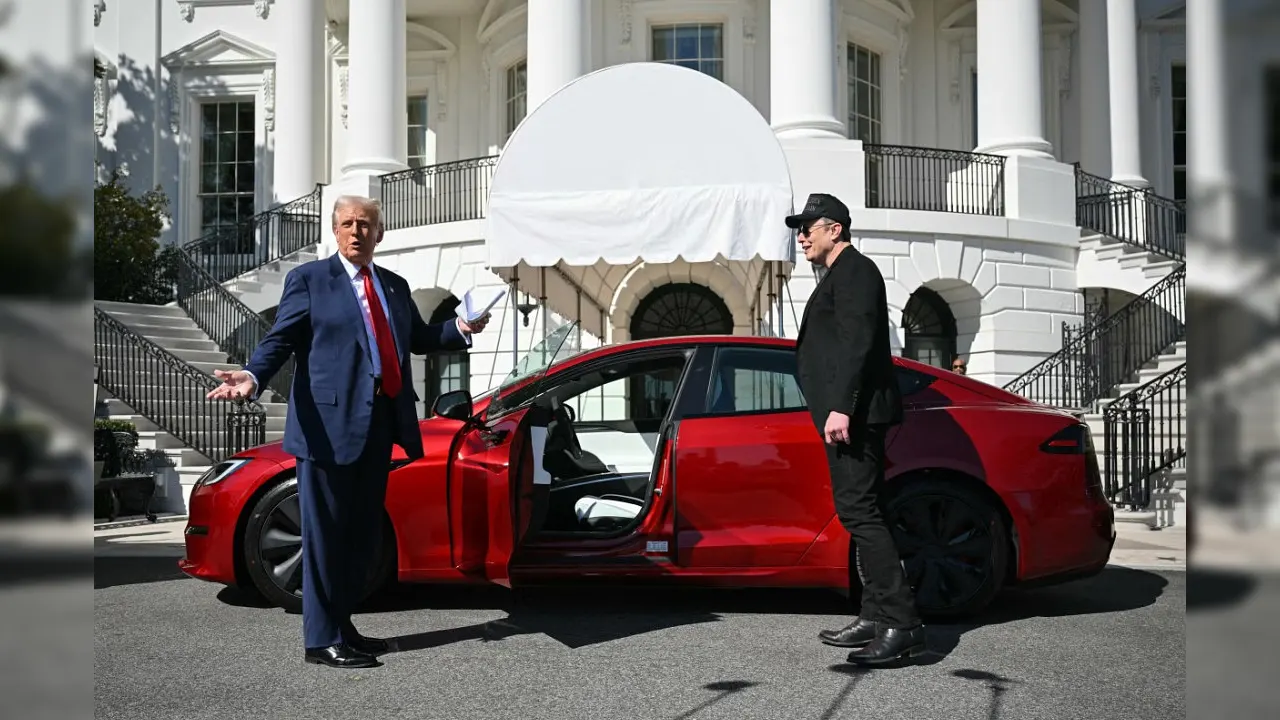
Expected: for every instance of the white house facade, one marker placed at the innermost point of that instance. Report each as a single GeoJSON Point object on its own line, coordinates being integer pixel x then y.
{"type": "Point", "coordinates": [1014, 167]}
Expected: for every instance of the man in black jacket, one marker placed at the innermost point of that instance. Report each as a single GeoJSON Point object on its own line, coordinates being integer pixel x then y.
{"type": "Point", "coordinates": [847, 375]}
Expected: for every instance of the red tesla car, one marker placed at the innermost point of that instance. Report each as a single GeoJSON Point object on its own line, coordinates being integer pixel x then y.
{"type": "Point", "coordinates": [687, 459]}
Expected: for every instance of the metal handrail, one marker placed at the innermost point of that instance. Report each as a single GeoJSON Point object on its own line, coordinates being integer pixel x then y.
{"type": "Point", "coordinates": [1095, 359]}
{"type": "Point", "coordinates": [261, 239]}
{"type": "Point", "coordinates": [901, 177]}
{"type": "Point", "coordinates": [441, 193]}
{"type": "Point", "coordinates": [171, 393]}
{"type": "Point", "coordinates": [226, 320]}
{"type": "Point", "coordinates": [1135, 216]}
{"type": "Point", "coordinates": [1145, 433]}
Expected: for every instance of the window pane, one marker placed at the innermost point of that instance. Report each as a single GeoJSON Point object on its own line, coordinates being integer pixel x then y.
{"type": "Point", "coordinates": [244, 149]}
{"type": "Point", "coordinates": [244, 208]}
{"type": "Point", "coordinates": [714, 68]}
{"type": "Point", "coordinates": [245, 120]}
{"type": "Point", "coordinates": [208, 178]}
{"type": "Point", "coordinates": [711, 45]}
{"type": "Point", "coordinates": [209, 118]}
{"type": "Point", "coordinates": [417, 143]}
{"type": "Point", "coordinates": [1180, 148]}
{"type": "Point", "coordinates": [418, 110]}
{"type": "Point", "coordinates": [226, 177]}
{"type": "Point", "coordinates": [244, 177]}
{"type": "Point", "coordinates": [208, 212]}
{"type": "Point", "coordinates": [753, 381]}
{"type": "Point", "coordinates": [226, 148]}
{"type": "Point", "coordinates": [663, 44]}
{"type": "Point", "coordinates": [227, 117]}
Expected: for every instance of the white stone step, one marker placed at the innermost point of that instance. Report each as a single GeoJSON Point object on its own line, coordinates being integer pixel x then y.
{"type": "Point", "coordinates": [1159, 268]}
{"type": "Point", "coordinates": [149, 320]}
{"type": "Point", "coordinates": [112, 307]}
{"type": "Point", "coordinates": [160, 334]}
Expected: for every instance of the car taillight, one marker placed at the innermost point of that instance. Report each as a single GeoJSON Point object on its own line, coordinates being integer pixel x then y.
{"type": "Point", "coordinates": [1071, 440]}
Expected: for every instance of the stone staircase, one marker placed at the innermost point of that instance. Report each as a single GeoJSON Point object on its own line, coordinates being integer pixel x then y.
{"type": "Point", "coordinates": [260, 289]}
{"type": "Point", "coordinates": [1107, 262]}
{"type": "Point", "coordinates": [1169, 495]}
{"type": "Point", "coordinates": [169, 327]}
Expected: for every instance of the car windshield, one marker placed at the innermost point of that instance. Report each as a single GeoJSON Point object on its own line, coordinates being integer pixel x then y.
{"type": "Point", "coordinates": [559, 345]}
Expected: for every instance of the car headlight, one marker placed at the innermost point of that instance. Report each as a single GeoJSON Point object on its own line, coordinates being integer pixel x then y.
{"type": "Point", "coordinates": [221, 471]}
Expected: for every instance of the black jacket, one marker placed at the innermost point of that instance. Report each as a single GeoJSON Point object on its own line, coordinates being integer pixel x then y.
{"type": "Point", "coordinates": [843, 352]}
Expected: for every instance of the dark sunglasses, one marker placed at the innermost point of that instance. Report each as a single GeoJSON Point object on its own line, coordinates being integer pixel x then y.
{"type": "Point", "coordinates": [806, 229]}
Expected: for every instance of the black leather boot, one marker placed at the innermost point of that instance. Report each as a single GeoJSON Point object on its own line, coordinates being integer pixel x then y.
{"type": "Point", "coordinates": [854, 635]}
{"type": "Point", "coordinates": [891, 645]}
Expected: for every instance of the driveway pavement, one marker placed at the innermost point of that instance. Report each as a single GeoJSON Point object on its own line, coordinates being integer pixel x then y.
{"type": "Point", "coordinates": [171, 647]}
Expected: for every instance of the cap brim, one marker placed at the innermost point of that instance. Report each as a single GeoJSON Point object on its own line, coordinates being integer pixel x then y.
{"type": "Point", "coordinates": [795, 221]}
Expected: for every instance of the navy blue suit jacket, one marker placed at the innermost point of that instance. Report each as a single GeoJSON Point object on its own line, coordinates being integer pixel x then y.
{"type": "Point", "coordinates": [320, 323]}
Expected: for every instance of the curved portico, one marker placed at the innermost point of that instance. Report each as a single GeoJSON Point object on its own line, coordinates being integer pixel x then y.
{"type": "Point", "coordinates": [634, 167]}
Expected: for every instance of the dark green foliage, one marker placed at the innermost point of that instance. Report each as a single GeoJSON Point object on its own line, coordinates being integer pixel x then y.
{"type": "Point", "coordinates": [128, 264]}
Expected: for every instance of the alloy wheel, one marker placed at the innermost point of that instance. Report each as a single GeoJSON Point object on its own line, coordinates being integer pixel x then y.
{"type": "Point", "coordinates": [280, 545]}
{"type": "Point", "coordinates": [946, 546]}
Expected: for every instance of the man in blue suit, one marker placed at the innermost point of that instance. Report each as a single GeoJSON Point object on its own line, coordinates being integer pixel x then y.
{"type": "Point", "coordinates": [351, 326]}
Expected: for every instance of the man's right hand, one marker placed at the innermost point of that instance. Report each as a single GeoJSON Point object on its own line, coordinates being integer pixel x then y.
{"type": "Point", "coordinates": [236, 385]}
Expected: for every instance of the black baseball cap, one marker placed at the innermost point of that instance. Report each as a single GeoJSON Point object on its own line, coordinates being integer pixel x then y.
{"type": "Point", "coordinates": [820, 205]}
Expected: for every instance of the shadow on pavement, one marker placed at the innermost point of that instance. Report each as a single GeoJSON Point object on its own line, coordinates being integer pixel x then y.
{"type": "Point", "coordinates": [1217, 588]}
{"type": "Point", "coordinates": [120, 564]}
{"type": "Point", "coordinates": [583, 616]}
{"type": "Point", "coordinates": [23, 565]}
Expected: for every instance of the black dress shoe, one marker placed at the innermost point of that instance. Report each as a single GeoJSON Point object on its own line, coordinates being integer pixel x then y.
{"type": "Point", "coordinates": [339, 656]}
{"type": "Point", "coordinates": [369, 645]}
{"type": "Point", "coordinates": [854, 635]}
{"type": "Point", "coordinates": [891, 645]}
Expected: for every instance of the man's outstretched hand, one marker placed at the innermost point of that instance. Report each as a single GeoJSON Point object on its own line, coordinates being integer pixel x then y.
{"type": "Point", "coordinates": [236, 385]}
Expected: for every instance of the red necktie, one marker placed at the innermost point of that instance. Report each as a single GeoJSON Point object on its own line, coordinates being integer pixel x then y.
{"type": "Point", "coordinates": [382, 333]}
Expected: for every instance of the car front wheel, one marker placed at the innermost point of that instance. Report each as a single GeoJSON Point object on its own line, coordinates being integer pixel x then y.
{"type": "Point", "coordinates": [273, 549]}
{"type": "Point", "coordinates": [954, 546]}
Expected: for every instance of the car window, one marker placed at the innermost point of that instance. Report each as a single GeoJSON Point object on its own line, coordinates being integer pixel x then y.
{"type": "Point", "coordinates": [911, 382]}
{"type": "Point", "coordinates": [754, 380]}
{"type": "Point", "coordinates": [635, 390]}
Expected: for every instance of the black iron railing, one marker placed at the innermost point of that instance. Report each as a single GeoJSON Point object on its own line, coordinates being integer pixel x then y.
{"type": "Point", "coordinates": [171, 393]}
{"type": "Point", "coordinates": [916, 178]}
{"type": "Point", "coordinates": [448, 192]}
{"type": "Point", "coordinates": [261, 239]}
{"type": "Point", "coordinates": [230, 323]}
{"type": "Point", "coordinates": [1145, 434]}
{"type": "Point", "coordinates": [1095, 359]}
{"type": "Point", "coordinates": [1134, 216]}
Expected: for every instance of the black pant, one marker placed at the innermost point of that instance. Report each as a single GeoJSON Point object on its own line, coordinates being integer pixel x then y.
{"type": "Point", "coordinates": [857, 480]}
{"type": "Point", "coordinates": [341, 507]}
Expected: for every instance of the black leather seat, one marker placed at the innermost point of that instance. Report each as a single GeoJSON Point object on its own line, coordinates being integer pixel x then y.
{"type": "Point", "coordinates": [564, 457]}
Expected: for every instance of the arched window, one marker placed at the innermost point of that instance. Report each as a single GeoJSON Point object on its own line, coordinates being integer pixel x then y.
{"type": "Point", "coordinates": [681, 309]}
{"type": "Point", "coordinates": [930, 329]}
{"type": "Point", "coordinates": [668, 311]}
{"type": "Point", "coordinates": [445, 372]}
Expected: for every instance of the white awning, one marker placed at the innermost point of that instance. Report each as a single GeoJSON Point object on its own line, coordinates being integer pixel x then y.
{"type": "Point", "coordinates": [640, 163]}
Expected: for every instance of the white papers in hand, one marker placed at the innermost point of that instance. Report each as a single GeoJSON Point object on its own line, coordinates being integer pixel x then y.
{"type": "Point", "coordinates": [477, 303]}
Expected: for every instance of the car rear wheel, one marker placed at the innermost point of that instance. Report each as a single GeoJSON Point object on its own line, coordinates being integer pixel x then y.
{"type": "Point", "coordinates": [273, 549]}
{"type": "Point", "coordinates": [953, 543]}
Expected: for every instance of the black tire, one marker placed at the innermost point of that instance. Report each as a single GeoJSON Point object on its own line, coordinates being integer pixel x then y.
{"type": "Point", "coordinates": [957, 577]}
{"type": "Point", "coordinates": [273, 549]}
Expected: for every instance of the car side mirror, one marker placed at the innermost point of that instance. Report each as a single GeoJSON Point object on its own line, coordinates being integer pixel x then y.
{"type": "Point", "coordinates": [455, 405]}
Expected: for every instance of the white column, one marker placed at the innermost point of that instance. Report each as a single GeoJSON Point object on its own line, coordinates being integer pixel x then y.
{"type": "Point", "coordinates": [376, 82]}
{"type": "Point", "coordinates": [1126, 122]}
{"type": "Point", "coordinates": [1095, 102]}
{"type": "Point", "coordinates": [298, 90]}
{"type": "Point", "coordinates": [802, 69]}
{"type": "Point", "coordinates": [1207, 104]}
{"type": "Point", "coordinates": [1010, 84]}
{"type": "Point", "coordinates": [557, 47]}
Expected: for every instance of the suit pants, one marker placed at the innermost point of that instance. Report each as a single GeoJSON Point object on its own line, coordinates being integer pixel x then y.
{"type": "Point", "coordinates": [341, 507]}
{"type": "Point", "coordinates": [857, 481]}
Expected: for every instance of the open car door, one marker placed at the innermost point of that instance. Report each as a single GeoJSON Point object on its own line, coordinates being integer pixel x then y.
{"type": "Point", "coordinates": [498, 489]}
{"type": "Point", "coordinates": [498, 492]}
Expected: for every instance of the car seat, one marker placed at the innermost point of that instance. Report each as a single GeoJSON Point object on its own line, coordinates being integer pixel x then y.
{"type": "Point", "coordinates": [563, 456]}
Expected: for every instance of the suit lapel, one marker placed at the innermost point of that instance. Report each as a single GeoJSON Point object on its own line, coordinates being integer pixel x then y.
{"type": "Point", "coordinates": [340, 286]}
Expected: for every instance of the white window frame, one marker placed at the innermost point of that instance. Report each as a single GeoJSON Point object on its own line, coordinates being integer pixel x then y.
{"type": "Point", "coordinates": [509, 96]}
{"type": "Point", "coordinates": [196, 127]}
{"type": "Point", "coordinates": [653, 28]}
{"type": "Point", "coordinates": [218, 67]}
{"type": "Point", "coordinates": [859, 28]}
{"type": "Point", "coordinates": [1168, 47]}
{"type": "Point", "coordinates": [632, 35]}
{"type": "Point", "coordinates": [428, 130]}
